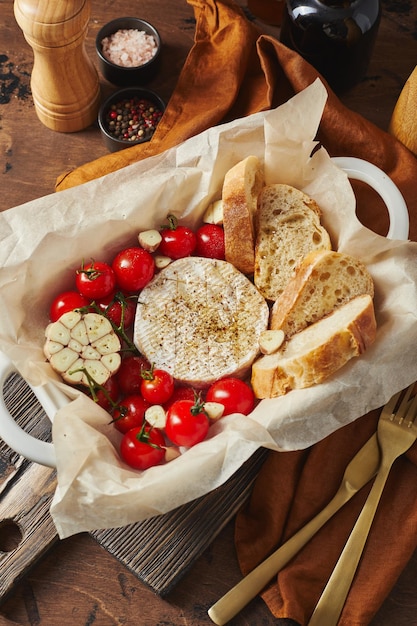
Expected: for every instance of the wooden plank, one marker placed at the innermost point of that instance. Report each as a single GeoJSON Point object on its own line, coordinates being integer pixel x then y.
{"type": "Point", "coordinates": [26, 491]}
{"type": "Point", "coordinates": [25, 509]}
{"type": "Point", "coordinates": [159, 551]}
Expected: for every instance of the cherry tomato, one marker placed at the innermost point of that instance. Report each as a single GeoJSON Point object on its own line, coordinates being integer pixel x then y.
{"type": "Point", "coordinates": [130, 413]}
{"type": "Point", "coordinates": [235, 395]}
{"type": "Point", "coordinates": [66, 301]}
{"type": "Point", "coordinates": [118, 308]}
{"type": "Point", "coordinates": [157, 386]}
{"type": "Point", "coordinates": [180, 393]}
{"type": "Point", "coordinates": [186, 423]}
{"type": "Point", "coordinates": [210, 242]}
{"type": "Point", "coordinates": [129, 374]}
{"type": "Point", "coordinates": [177, 241]}
{"type": "Point", "coordinates": [95, 280]}
{"type": "Point", "coordinates": [143, 447]}
{"type": "Point", "coordinates": [109, 394]}
{"type": "Point", "coordinates": [134, 268]}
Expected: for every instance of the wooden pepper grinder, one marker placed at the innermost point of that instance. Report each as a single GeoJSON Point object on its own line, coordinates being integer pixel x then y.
{"type": "Point", "coordinates": [64, 82]}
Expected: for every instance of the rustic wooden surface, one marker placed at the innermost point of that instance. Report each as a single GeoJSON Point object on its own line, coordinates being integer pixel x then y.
{"type": "Point", "coordinates": [78, 583]}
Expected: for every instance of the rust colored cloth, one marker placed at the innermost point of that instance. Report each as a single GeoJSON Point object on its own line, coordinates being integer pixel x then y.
{"type": "Point", "coordinates": [232, 71]}
{"type": "Point", "coordinates": [291, 489]}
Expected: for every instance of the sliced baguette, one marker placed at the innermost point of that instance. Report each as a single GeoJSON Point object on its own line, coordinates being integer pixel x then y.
{"type": "Point", "coordinates": [288, 227]}
{"type": "Point", "coordinates": [241, 187]}
{"type": "Point", "coordinates": [323, 281]}
{"type": "Point", "coordinates": [318, 351]}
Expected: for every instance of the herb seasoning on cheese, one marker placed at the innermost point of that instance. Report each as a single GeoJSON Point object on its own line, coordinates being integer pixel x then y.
{"type": "Point", "coordinates": [201, 320]}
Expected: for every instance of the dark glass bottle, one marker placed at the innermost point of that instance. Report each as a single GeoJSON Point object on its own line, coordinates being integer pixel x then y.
{"type": "Point", "coordinates": [336, 36]}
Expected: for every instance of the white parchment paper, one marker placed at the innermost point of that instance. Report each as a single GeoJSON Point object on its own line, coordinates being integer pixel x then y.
{"type": "Point", "coordinates": [42, 242]}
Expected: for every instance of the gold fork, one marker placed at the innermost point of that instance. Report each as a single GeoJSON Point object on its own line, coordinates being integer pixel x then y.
{"type": "Point", "coordinates": [360, 470]}
{"type": "Point", "coordinates": [396, 434]}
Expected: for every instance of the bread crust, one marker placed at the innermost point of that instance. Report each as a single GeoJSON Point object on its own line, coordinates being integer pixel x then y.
{"type": "Point", "coordinates": [324, 280]}
{"type": "Point", "coordinates": [329, 344]}
{"type": "Point", "coordinates": [241, 188]}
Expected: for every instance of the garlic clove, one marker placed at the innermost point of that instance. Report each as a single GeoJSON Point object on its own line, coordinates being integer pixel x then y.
{"type": "Point", "coordinates": [150, 240]}
{"type": "Point", "coordinates": [270, 341]}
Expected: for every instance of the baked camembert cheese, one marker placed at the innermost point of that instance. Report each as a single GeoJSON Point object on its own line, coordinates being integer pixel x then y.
{"type": "Point", "coordinates": [200, 319]}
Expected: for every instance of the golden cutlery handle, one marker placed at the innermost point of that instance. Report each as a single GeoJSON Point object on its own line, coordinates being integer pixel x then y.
{"type": "Point", "coordinates": [332, 600]}
{"type": "Point", "coordinates": [241, 594]}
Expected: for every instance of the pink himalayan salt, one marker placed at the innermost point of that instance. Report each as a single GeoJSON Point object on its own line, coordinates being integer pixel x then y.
{"type": "Point", "coordinates": [129, 47]}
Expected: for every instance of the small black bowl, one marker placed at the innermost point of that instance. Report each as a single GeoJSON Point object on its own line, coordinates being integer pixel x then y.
{"type": "Point", "coordinates": [127, 76]}
{"type": "Point", "coordinates": [114, 112]}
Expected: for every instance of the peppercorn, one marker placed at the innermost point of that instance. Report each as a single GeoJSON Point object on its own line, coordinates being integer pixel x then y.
{"type": "Point", "coordinates": [133, 119]}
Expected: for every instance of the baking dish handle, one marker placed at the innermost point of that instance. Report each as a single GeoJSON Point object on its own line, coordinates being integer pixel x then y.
{"type": "Point", "coordinates": [358, 169]}
{"type": "Point", "coordinates": [51, 399]}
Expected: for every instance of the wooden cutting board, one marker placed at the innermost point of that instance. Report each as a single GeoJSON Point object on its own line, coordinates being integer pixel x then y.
{"type": "Point", "coordinates": [168, 546]}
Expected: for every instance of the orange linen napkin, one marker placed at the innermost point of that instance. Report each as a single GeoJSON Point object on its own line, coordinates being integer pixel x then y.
{"type": "Point", "coordinates": [291, 489]}
{"type": "Point", "coordinates": [230, 72]}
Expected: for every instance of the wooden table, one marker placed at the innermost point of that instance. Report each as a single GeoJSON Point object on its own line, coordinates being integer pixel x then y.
{"type": "Point", "coordinates": [78, 582]}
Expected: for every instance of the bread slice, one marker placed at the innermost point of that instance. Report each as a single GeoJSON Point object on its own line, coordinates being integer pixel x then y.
{"type": "Point", "coordinates": [288, 227]}
{"type": "Point", "coordinates": [241, 187]}
{"type": "Point", "coordinates": [323, 281]}
{"type": "Point", "coordinates": [318, 351]}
